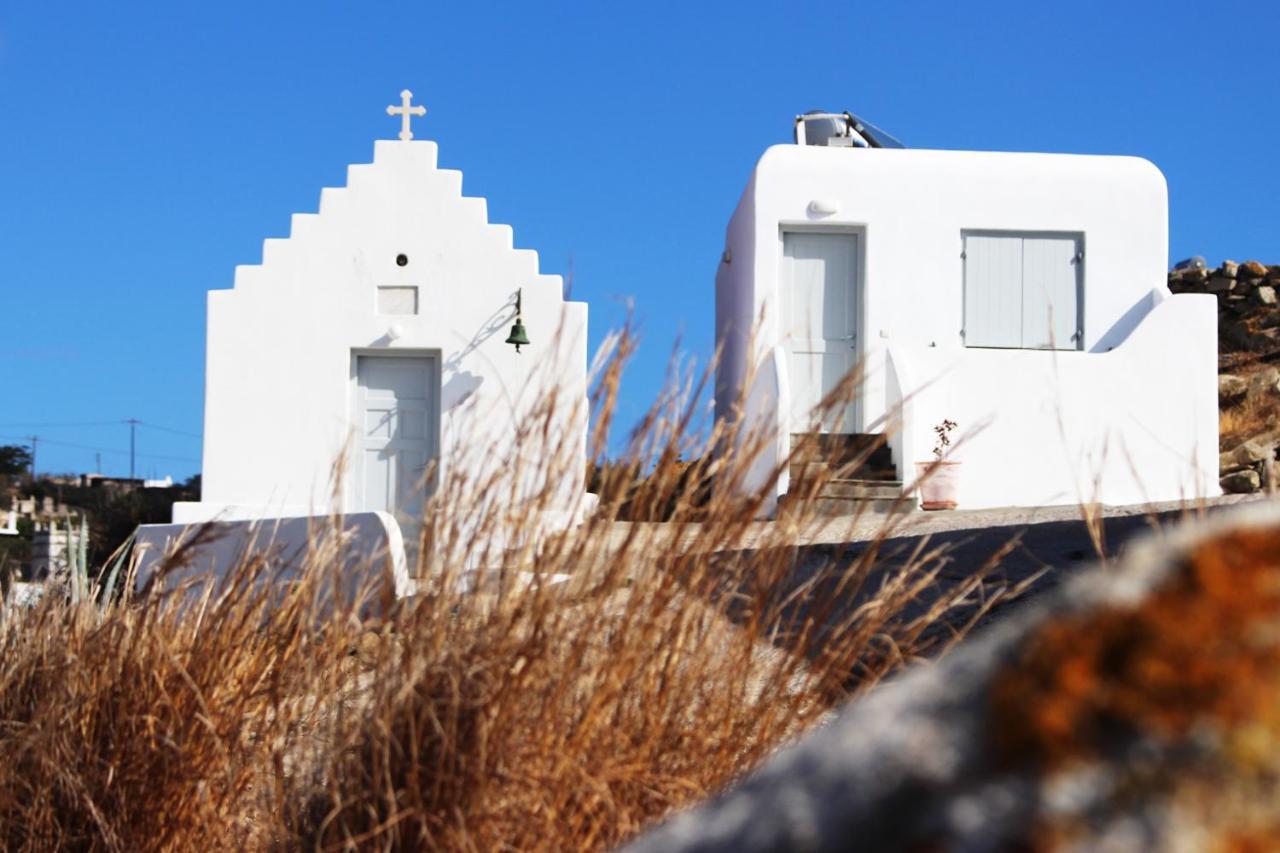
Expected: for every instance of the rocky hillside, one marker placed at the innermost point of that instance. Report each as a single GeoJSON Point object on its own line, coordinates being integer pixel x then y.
{"type": "Point", "coordinates": [1248, 386]}
{"type": "Point", "coordinates": [1248, 314]}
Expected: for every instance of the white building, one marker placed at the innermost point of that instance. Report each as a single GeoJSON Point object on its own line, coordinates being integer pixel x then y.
{"type": "Point", "coordinates": [376, 333]}
{"type": "Point", "coordinates": [1020, 295]}
{"type": "Point", "coordinates": [55, 548]}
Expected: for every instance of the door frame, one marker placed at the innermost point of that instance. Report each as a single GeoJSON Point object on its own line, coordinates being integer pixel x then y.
{"type": "Point", "coordinates": [858, 231]}
{"type": "Point", "coordinates": [355, 472]}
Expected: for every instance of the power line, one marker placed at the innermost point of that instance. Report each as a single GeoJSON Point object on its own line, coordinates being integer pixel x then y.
{"type": "Point", "coordinates": [149, 425]}
{"type": "Point", "coordinates": [59, 424]}
{"type": "Point", "coordinates": [96, 449]}
{"type": "Point", "coordinates": [133, 454]}
{"type": "Point", "coordinates": [30, 425]}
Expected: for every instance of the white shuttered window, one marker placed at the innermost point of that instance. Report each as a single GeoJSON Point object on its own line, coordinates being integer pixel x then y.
{"type": "Point", "coordinates": [1023, 290]}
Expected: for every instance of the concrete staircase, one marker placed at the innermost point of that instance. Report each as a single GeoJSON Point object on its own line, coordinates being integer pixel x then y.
{"type": "Point", "coordinates": [842, 474]}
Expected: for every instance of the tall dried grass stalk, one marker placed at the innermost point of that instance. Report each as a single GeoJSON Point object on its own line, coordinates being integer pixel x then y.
{"type": "Point", "coordinates": [495, 710]}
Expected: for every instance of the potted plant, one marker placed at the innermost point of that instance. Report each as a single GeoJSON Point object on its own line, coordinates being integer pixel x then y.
{"type": "Point", "coordinates": [939, 478]}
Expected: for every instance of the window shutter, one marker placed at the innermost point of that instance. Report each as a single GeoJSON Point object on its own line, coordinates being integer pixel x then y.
{"type": "Point", "coordinates": [992, 291]}
{"type": "Point", "coordinates": [1022, 290]}
{"type": "Point", "coordinates": [1050, 294]}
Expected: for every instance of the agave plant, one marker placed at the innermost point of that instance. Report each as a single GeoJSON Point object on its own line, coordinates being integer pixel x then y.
{"type": "Point", "coordinates": [76, 555]}
{"type": "Point", "coordinates": [111, 571]}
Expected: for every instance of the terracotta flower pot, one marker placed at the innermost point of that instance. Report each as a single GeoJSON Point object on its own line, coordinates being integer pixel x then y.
{"type": "Point", "coordinates": [939, 482]}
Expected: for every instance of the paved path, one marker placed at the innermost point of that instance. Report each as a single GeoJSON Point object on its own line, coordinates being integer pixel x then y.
{"type": "Point", "coordinates": [1051, 544]}
{"type": "Point", "coordinates": [916, 523]}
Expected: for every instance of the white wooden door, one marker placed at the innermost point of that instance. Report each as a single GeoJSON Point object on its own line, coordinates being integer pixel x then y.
{"type": "Point", "coordinates": [397, 416]}
{"type": "Point", "coordinates": [819, 323]}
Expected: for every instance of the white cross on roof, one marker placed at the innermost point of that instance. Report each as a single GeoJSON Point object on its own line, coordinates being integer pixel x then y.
{"type": "Point", "coordinates": [406, 113]}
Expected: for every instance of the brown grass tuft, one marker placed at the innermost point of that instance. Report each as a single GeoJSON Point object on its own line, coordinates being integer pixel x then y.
{"type": "Point", "coordinates": [497, 709]}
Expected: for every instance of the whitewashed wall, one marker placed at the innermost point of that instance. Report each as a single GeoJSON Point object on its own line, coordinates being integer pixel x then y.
{"type": "Point", "coordinates": [911, 207]}
{"type": "Point", "coordinates": [279, 375]}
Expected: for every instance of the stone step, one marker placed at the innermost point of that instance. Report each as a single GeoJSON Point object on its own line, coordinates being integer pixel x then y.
{"type": "Point", "coordinates": [842, 507]}
{"type": "Point", "coordinates": [839, 445]}
{"type": "Point", "coordinates": [805, 471]}
{"type": "Point", "coordinates": [862, 489]}
{"type": "Point", "coordinates": [831, 440]}
{"type": "Point", "coordinates": [847, 497]}
{"type": "Point", "coordinates": [882, 461]}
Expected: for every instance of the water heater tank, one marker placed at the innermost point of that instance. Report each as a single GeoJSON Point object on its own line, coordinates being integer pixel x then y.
{"type": "Point", "coordinates": [846, 130]}
{"type": "Point", "coordinates": [823, 128]}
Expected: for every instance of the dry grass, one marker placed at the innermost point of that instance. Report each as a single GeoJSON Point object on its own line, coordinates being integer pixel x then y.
{"type": "Point", "coordinates": [505, 713]}
{"type": "Point", "coordinates": [1249, 417]}
{"type": "Point", "coordinates": [1242, 419]}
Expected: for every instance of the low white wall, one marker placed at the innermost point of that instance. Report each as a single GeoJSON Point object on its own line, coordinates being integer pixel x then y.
{"type": "Point", "coordinates": [735, 321]}
{"type": "Point", "coordinates": [364, 550]}
{"type": "Point", "coordinates": [768, 392]}
{"type": "Point", "coordinates": [1132, 425]}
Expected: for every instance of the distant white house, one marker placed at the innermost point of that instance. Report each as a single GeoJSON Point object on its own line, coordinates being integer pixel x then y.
{"type": "Point", "coordinates": [1022, 296]}
{"type": "Point", "coordinates": [377, 333]}
{"type": "Point", "coordinates": [55, 546]}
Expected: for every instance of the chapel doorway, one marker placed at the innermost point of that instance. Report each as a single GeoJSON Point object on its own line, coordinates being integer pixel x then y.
{"type": "Point", "coordinates": [398, 429]}
{"type": "Point", "coordinates": [820, 306]}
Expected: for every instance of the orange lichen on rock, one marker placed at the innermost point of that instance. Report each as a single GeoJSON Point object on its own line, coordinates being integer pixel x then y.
{"type": "Point", "coordinates": [1256, 841]}
{"type": "Point", "coordinates": [1202, 648]}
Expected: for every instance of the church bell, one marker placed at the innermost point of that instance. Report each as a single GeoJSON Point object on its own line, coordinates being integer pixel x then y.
{"type": "Point", "coordinates": [518, 337]}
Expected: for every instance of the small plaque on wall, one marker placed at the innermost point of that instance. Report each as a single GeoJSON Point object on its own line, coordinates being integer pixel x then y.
{"type": "Point", "coordinates": [397, 300]}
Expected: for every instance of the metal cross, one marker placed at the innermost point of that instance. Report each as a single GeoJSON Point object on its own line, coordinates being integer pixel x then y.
{"type": "Point", "coordinates": [406, 113]}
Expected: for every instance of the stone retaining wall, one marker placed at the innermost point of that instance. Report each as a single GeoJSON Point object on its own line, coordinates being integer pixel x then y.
{"type": "Point", "coordinates": [1248, 330]}
{"type": "Point", "coordinates": [1248, 315]}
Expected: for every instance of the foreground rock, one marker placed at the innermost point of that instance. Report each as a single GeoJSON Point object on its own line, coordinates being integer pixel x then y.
{"type": "Point", "coordinates": [1133, 709]}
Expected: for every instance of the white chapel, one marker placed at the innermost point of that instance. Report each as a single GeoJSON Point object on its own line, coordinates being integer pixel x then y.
{"type": "Point", "coordinates": [386, 335]}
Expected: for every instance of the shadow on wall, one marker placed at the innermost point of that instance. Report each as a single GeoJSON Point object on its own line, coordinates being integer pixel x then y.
{"type": "Point", "coordinates": [458, 389]}
{"type": "Point", "coordinates": [1128, 322]}
{"type": "Point", "coordinates": [496, 322]}
{"type": "Point", "coordinates": [460, 384]}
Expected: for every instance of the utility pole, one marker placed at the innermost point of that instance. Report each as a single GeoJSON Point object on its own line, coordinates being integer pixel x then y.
{"type": "Point", "coordinates": [133, 443]}
{"type": "Point", "coordinates": [35, 439]}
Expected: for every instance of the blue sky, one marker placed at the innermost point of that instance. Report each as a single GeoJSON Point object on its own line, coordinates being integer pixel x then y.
{"type": "Point", "coordinates": [147, 149]}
